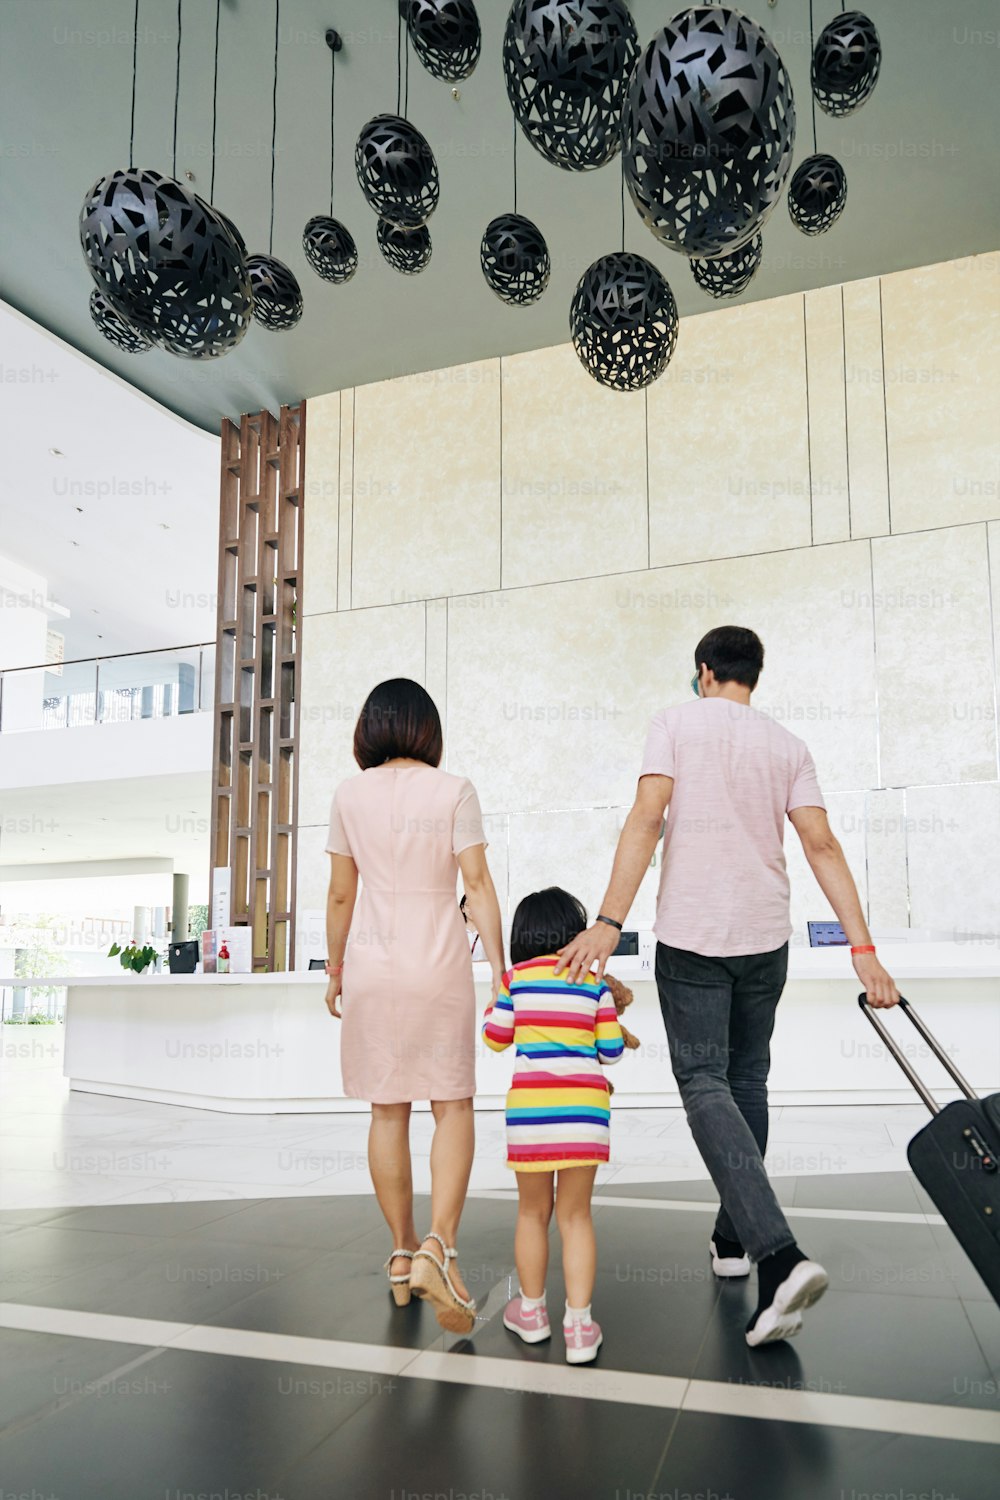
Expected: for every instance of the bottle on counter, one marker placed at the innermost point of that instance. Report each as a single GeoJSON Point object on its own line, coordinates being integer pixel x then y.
{"type": "Point", "coordinates": [222, 960]}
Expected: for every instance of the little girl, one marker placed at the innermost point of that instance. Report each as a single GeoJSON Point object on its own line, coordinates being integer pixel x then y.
{"type": "Point", "coordinates": [558, 1112]}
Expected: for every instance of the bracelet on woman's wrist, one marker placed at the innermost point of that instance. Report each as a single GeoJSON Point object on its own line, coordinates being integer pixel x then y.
{"type": "Point", "coordinates": [610, 922]}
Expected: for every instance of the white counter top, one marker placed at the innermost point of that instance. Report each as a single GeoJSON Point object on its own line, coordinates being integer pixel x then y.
{"type": "Point", "coordinates": [265, 1043]}
{"type": "Point", "coordinates": [955, 960]}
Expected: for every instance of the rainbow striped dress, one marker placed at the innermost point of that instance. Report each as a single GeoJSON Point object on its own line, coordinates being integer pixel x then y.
{"type": "Point", "coordinates": [558, 1106]}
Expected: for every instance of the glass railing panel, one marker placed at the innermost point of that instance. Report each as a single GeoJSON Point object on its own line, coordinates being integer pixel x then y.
{"type": "Point", "coordinates": [206, 700]}
{"type": "Point", "coordinates": [56, 697]}
{"type": "Point", "coordinates": [109, 690]}
{"type": "Point", "coordinates": [155, 685]}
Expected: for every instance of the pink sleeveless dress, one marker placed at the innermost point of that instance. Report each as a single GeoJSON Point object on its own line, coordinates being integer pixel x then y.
{"type": "Point", "coordinates": [409, 1009]}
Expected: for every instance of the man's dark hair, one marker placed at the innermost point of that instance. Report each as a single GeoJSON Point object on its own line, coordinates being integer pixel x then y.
{"type": "Point", "coordinates": [733, 653]}
{"type": "Point", "coordinates": [544, 922]}
{"type": "Point", "coordinates": [398, 719]}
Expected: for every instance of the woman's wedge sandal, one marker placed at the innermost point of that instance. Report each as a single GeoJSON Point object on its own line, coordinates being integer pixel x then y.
{"type": "Point", "coordinates": [399, 1286]}
{"type": "Point", "coordinates": [430, 1279]}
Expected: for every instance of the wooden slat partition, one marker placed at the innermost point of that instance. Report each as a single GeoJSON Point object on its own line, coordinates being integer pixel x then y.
{"type": "Point", "coordinates": [255, 773]}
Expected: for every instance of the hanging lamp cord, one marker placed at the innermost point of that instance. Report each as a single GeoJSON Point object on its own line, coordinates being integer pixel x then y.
{"type": "Point", "coordinates": [274, 123]}
{"type": "Point", "coordinates": [515, 162]}
{"type": "Point", "coordinates": [135, 55]}
{"type": "Point", "coordinates": [812, 46]}
{"type": "Point", "coordinates": [406, 72]}
{"type": "Point", "coordinates": [215, 98]}
{"type": "Point", "coordinates": [622, 153]}
{"type": "Point", "coordinates": [333, 74]}
{"type": "Point", "coordinates": [177, 86]}
{"type": "Point", "coordinates": [399, 60]}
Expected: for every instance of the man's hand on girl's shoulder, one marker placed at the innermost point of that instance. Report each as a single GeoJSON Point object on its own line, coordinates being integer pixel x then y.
{"type": "Point", "coordinates": [589, 950]}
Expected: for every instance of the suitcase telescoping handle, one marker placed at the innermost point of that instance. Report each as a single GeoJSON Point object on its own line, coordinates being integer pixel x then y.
{"type": "Point", "coordinates": [897, 1052]}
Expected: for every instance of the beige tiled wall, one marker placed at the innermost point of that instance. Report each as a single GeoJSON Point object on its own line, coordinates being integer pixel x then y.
{"type": "Point", "coordinates": [347, 653]}
{"type": "Point", "coordinates": [864, 385]}
{"type": "Point", "coordinates": [544, 555]}
{"type": "Point", "coordinates": [937, 708]}
{"type": "Point", "coordinates": [321, 545]}
{"type": "Point", "coordinates": [574, 472]}
{"type": "Point", "coordinates": [426, 485]}
{"type": "Point", "coordinates": [942, 331]}
{"type": "Point", "coordinates": [953, 856]}
{"type": "Point", "coordinates": [728, 439]}
{"type": "Point", "coordinates": [827, 396]}
{"type": "Point", "coordinates": [885, 856]}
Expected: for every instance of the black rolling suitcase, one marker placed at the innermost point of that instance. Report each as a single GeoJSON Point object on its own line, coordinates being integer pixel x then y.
{"type": "Point", "coordinates": [955, 1157]}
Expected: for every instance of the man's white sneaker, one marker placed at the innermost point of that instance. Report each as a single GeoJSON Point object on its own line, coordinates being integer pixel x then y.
{"type": "Point", "coordinates": [782, 1318]}
{"type": "Point", "coordinates": [729, 1265]}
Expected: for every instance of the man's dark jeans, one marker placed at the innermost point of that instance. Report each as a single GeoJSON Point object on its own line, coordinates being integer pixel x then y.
{"type": "Point", "coordinates": [719, 1015]}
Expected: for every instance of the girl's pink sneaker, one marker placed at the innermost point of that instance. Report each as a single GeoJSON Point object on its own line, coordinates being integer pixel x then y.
{"type": "Point", "coordinates": [582, 1341]}
{"type": "Point", "coordinates": [531, 1325]}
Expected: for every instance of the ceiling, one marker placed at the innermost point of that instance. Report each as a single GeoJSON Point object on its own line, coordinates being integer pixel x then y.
{"type": "Point", "coordinates": [920, 159]}
{"type": "Point", "coordinates": [167, 817]}
{"type": "Point", "coordinates": [122, 522]}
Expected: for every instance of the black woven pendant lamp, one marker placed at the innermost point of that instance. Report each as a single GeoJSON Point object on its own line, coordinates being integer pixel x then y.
{"type": "Point", "coordinates": [405, 250]}
{"type": "Point", "coordinates": [329, 247]}
{"type": "Point", "coordinates": [514, 256]}
{"type": "Point", "coordinates": [445, 36]}
{"type": "Point", "coordinates": [398, 175]}
{"type": "Point", "coordinates": [817, 192]}
{"type": "Point", "coordinates": [846, 62]}
{"type": "Point", "coordinates": [115, 328]}
{"type": "Point", "coordinates": [109, 322]}
{"type": "Point", "coordinates": [708, 130]}
{"type": "Point", "coordinates": [623, 319]}
{"type": "Point", "coordinates": [277, 297]}
{"type": "Point", "coordinates": [395, 166]}
{"type": "Point", "coordinates": [162, 259]}
{"type": "Point", "coordinates": [729, 275]}
{"type": "Point", "coordinates": [566, 64]}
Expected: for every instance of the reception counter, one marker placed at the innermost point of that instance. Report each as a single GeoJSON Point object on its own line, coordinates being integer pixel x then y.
{"type": "Point", "coordinates": [265, 1043]}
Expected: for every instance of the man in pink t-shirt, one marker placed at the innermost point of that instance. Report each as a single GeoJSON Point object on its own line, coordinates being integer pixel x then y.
{"type": "Point", "coordinates": [729, 776]}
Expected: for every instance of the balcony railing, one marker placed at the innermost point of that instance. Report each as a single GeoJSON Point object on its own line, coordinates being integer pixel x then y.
{"type": "Point", "coordinates": [109, 689]}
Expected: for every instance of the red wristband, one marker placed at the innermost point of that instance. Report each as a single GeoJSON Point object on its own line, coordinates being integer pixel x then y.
{"type": "Point", "coordinates": [864, 948]}
{"type": "Point", "coordinates": [332, 969]}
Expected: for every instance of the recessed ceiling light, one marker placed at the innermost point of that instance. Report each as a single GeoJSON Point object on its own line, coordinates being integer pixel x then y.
{"type": "Point", "coordinates": [164, 526]}
{"type": "Point", "coordinates": [57, 453]}
{"type": "Point", "coordinates": [74, 544]}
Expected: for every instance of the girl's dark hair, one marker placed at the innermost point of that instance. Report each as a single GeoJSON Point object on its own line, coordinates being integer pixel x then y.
{"type": "Point", "coordinates": [398, 718]}
{"type": "Point", "coordinates": [544, 922]}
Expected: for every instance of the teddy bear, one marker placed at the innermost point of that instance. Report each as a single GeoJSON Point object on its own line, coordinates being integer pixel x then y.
{"type": "Point", "coordinates": [623, 997]}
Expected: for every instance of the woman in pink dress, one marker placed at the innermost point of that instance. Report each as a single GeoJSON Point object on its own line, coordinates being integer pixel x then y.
{"type": "Point", "coordinates": [404, 984]}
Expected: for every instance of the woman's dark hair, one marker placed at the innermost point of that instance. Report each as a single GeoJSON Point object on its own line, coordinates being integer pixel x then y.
{"type": "Point", "coordinates": [398, 719]}
{"type": "Point", "coordinates": [733, 653]}
{"type": "Point", "coordinates": [544, 922]}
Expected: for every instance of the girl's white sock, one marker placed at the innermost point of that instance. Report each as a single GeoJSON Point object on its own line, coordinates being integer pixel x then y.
{"type": "Point", "coordinates": [577, 1314]}
{"type": "Point", "coordinates": [530, 1304]}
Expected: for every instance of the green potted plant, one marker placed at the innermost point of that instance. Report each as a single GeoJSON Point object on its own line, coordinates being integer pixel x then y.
{"type": "Point", "coordinates": [139, 960]}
